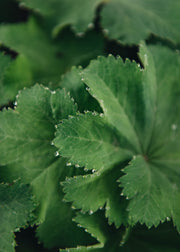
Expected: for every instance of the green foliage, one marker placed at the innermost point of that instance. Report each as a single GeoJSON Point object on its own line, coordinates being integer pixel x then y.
{"type": "Point", "coordinates": [130, 21]}
{"type": "Point", "coordinates": [16, 206]}
{"type": "Point", "coordinates": [89, 154]}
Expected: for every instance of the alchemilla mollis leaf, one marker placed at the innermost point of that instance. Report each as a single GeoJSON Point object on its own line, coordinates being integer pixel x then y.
{"type": "Point", "coordinates": [136, 20]}
{"type": "Point", "coordinates": [135, 103]}
{"type": "Point", "coordinates": [28, 152]}
{"type": "Point", "coordinates": [16, 205]}
{"type": "Point", "coordinates": [79, 14]}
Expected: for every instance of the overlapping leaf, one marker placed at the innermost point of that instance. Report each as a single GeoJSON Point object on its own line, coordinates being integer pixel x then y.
{"type": "Point", "coordinates": [72, 82]}
{"type": "Point", "coordinates": [77, 13]}
{"type": "Point", "coordinates": [108, 236]}
{"type": "Point", "coordinates": [42, 59]}
{"type": "Point", "coordinates": [130, 21]}
{"type": "Point", "coordinates": [163, 238]}
{"type": "Point", "coordinates": [26, 135]}
{"type": "Point", "coordinates": [135, 103]}
{"type": "Point", "coordinates": [16, 204]}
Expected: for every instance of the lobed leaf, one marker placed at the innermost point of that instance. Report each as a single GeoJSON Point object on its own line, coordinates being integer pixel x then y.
{"type": "Point", "coordinates": [26, 135]}
{"type": "Point", "coordinates": [131, 21]}
{"type": "Point", "coordinates": [135, 103]}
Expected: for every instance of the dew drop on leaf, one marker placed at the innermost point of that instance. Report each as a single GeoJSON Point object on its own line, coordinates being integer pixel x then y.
{"type": "Point", "coordinates": [56, 154]}
{"type": "Point", "coordinates": [174, 127]}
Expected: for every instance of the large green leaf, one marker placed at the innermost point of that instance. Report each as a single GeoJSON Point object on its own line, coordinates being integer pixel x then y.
{"type": "Point", "coordinates": [130, 21]}
{"type": "Point", "coordinates": [77, 13]}
{"type": "Point", "coordinates": [27, 151]}
{"type": "Point", "coordinates": [16, 205]}
{"type": "Point", "coordinates": [135, 103]}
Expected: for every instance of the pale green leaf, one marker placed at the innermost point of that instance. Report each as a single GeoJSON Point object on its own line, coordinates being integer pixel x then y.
{"type": "Point", "coordinates": [130, 21]}
{"type": "Point", "coordinates": [16, 205]}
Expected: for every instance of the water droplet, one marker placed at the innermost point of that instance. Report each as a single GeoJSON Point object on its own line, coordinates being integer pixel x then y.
{"type": "Point", "coordinates": [15, 103]}
{"type": "Point", "coordinates": [56, 126]}
{"type": "Point", "coordinates": [80, 34]}
{"type": "Point", "coordinates": [93, 170]}
{"type": "Point", "coordinates": [52, 143]}
{"type": "Point", "coordinates": [77, 166]}
{"type": "Point", "coordinates": [70, 116]}
{"type": "Point", "coordinates": [122, 194]}
{"type": "Point", "coordinates": [56, 154]}
{"type": "Point", "coordinates": [90, 212]}
{"type": "Point", "coordinates": [101, 115]}
{"type": "Point", "coordinates": [106, 31]}
{"type": "Point", "coordinates": [127, 197]}
{"type": "Point", "coordinates": [145, 60]}
{"type": "Point", "coordinates": [90, 25]}
{"type": "Point", "coordinates": [174, 127]}
{"type": "Point", "coordinates": [85, 169]}
{"type": "Point", "coordinates": [68, 164]}
{"type": "Point", "coordinates": [168, 219]}
{"type": "Point", "coordinates": [53, 92]}
{"type": "Point", "coordinates": [88, 89]}
{"type": "Point", "coordinates": [82, 79]}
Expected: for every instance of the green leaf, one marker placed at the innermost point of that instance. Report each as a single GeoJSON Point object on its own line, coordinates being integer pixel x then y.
{"type": "Point", "coordinates": [107, 236]}
{"type": "Point", "coordinates": [77, 13]}
{"type": "Point", "coordinates": [16, 205]}
{"type": "Point", "coordinates": [72, 82]}
{"type": "Point", "coordinates": [114, 84]}
{"type": "Point", "coordinates": [105, 186]}
{"type": "Point", "coordinates": [160, 239]}
{"type": "Point", "coordinates": [135, 103]}
{"type": "Point", "coordinates": [87, 140]}
{"type": "Point", "coordinates": [131, 21]}
{"type": "Point", "coordinates": [151, 197]}
{"type": "Point", "coordinates": [26, 135]}
{"type": "Point", "coordinates": [45, 58]}
{"type": "Point", "coordinates": [33, 42]}
{"type": "Point", "coordinates": [13, 78]}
